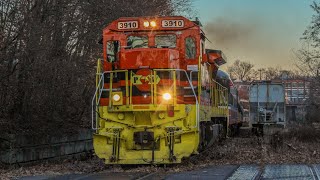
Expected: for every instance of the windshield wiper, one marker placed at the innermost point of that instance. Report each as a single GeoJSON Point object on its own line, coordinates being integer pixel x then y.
{"type": "Point", "coordinates": [164, 46]}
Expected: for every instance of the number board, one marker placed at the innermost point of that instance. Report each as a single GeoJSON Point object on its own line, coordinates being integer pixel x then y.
{"type": "Point", "coordinates": [172, 23]}
{"type": "Point", "coordinates": [128, 25]}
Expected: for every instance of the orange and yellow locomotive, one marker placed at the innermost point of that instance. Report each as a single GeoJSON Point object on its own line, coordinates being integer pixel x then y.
{"type": "Point", "coordinates": [157, 99]}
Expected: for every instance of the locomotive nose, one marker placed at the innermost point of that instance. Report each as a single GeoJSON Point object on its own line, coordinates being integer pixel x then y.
{"type": "Point", "coordinates": [152, 58]}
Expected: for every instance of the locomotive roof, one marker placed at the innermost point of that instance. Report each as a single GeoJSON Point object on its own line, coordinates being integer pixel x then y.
{"type": "Point", "coordinates": [176, 23]}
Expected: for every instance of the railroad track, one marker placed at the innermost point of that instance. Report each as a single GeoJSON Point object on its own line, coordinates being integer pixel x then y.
{"type": "Point", "coordinates": [147, 176]}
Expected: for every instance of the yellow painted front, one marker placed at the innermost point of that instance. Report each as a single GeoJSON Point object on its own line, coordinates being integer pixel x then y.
{"type": "Point", "coordinates": [150, 118]}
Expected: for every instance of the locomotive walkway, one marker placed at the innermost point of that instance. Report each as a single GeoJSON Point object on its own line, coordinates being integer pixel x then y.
{"type": "Point", "coordinates": [230, 172]}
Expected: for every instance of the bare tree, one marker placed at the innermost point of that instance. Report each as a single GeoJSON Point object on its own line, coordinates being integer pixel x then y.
{"type": "Point", "coordinates": [48, 51]}
{"type": "Point", "coordinates": [242, 70]}
{"type": "Point", "coordinates": [308, 57]}
{"type": "Point", "coordinates": [271, 73]}
{"type": "Point", "coordinates": [308, 61]}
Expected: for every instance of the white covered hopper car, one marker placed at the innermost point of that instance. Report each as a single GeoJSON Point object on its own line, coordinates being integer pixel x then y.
{"type": "Point", "coordinates": [267, 104]}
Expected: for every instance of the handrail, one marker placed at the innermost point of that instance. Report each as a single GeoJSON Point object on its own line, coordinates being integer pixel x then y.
{"type": "Point", "coordinates": [194, 93]}
{"type": "Point", "coordinates": [100, 87]}
{"type": "Point", "coordinates": [220, 88]}
{"type": "Point", "coordinates": [95, 101]}
{"type": "Point", "coordinates": [95, 98]}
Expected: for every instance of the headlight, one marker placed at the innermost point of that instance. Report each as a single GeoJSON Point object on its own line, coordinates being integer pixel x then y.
{"type": "Point", "coordinates": [116, 97]}
{"type": "Point", "coordinates": [166, 96]}
{"type": "Point", "coordinates": [153, 24]}
{"type": "Point", "coordinates": [146, 24]}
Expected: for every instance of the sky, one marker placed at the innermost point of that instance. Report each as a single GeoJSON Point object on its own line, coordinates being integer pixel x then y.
{"type": "Point", "coordinates": [263, 32]}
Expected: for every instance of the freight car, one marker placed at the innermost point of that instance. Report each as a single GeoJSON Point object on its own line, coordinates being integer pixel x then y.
{"type": "Point", "coordinates": [157, 99]}
{"type": "Point", "coordinates": [235, 108]}
{"type": "Point", "coordinates": [267, 105]}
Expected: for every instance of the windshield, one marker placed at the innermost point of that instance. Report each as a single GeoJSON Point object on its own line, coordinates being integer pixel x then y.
{"type": "Point", "coordinates": [137, 41]}
{"type": "Point", "coordinates": [168, 40]}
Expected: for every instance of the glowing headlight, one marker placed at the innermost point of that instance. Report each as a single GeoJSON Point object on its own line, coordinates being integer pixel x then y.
{"type": "Point", "coordinates": [153, 24]}
{"type": "Point", "coordinates": [166, 96]}
{"type": "Point", "coordinates": [116, 97]}
{"type": "Point", "coordinates": [146, 24]}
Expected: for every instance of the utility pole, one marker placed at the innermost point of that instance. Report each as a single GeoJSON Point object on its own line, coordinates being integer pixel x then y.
{"type": "Point", "coordinates": [260, 70]}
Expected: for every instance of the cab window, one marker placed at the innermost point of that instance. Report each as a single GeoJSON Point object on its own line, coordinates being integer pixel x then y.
{"type": "Point", "coordinates": [137, 42]}
{"type": "Point", "coordinates": [166, 41]}
{"type": "Point", "coordinates": [190, 48]}
{"type": "Point", "coordinates": [113, 47]}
